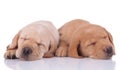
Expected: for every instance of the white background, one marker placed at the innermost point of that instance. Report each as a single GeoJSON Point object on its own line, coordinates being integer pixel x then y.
{"type": "Point", "coordinates": [15, 14]}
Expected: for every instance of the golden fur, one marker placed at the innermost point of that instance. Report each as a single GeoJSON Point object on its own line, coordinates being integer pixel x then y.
{"type": "Point", "coordinates": [79, 38]}
{"type": "Point", "coordinates": [41, 39]}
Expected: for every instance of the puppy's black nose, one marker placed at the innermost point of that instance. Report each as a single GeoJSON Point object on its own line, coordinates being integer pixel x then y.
{"type": "Point", "coordinates": [26, 51]}
{"type": "Point", "coordinates": [108, 50]}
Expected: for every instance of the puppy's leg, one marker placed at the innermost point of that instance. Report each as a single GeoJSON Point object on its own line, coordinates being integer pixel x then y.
{"type": "Point", "coordinates": [62, 49]}
{"type": "Point", "coordinates": [10, 54]}
{"type": "Point", "coordinates": [11, 49]}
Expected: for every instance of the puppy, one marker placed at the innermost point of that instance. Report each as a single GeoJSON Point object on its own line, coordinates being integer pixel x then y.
{"type": "Point", "coordinates": [79, 38]}
{"type": "Point", "coordinates": [36, 40]}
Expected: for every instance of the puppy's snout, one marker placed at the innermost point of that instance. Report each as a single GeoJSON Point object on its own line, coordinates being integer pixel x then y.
{"type": "Point", "coordinates": [109, 51]}
{"type": "Point", "coordinates": [26, 51]}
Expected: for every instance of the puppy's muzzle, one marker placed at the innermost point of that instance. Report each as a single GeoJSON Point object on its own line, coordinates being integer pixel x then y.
{"type": "Point", "coordinates": [26, 51]}
{"type": "Point", "coordinates": [109, 51]}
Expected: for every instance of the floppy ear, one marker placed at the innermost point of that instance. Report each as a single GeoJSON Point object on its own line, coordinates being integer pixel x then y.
{"type": "Point", "coordinates": [51, 49]}
{"type": "Point", "coordinates": [49, 53]}
{"type": "Point", "coordinates": [74, 46]}
{"type": "Point", "coordinates": [79, 49]}
{"type": "Point", "coordinates": [14, 43]}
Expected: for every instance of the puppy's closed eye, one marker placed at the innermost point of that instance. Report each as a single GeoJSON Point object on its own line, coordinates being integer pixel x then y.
{"type": "Point", "coordinates": [40, 44]}
{"type": "Point", "coordinates": [105, 37]}
{"type": "Point", "coordinates": [92, 44]}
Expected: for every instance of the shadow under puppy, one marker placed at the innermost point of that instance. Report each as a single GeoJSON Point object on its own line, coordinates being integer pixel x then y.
{"type": "Point", "coordinates": [36, 40]}
{"type": "Point", "coordinates": [79, 38]}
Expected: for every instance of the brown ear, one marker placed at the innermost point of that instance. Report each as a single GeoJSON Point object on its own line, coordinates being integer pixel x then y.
{"type": "Point", "coordinates": [72, 50]}
{"type": "Point", "coordinates": [74, 46]}
{"type": "Point", "coordinates": [14, 43]}
{"type": "Point", "coordinates": [79, 49]}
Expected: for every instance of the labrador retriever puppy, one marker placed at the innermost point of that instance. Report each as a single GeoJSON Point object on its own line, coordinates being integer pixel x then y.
{"type": "Point", "coordinates": [36, 40]}
{"type": "Point", "coordinates": [79, 38]}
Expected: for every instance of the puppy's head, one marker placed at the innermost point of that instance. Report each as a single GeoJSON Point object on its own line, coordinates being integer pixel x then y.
{"type": "Point", "coordinates": [96, 42]}
{"type": "Point", "coordinates": [30, 50]}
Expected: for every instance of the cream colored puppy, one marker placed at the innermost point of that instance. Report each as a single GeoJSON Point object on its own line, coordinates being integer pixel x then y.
{"type": "Point", "coordinates": [36, 40]}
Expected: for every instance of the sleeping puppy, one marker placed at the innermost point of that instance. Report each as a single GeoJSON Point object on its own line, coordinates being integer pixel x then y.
{"type": "Point", "coordinates": [79, 38]}
{"type": "Point", "coordinates": [36, 40]}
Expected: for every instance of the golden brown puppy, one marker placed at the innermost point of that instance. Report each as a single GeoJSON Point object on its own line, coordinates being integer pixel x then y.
{"type": "Point", "coordinates": [79, 38]}
{"type": "Point", "coordinates": [36, 40]}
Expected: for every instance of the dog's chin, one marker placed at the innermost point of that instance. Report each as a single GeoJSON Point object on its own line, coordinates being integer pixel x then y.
{"type": "Point", "coordinates": [100, 57]}
{"type": "Point", "coordinates": [29, 58]}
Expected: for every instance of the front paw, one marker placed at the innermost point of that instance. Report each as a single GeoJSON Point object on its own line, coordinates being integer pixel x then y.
{"type": "Point", "coordinates": [10, 54]}
{"type": "Point", "coordinates": [61, 52]}
{"type": "Point", "coordinates": [48, 55]}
